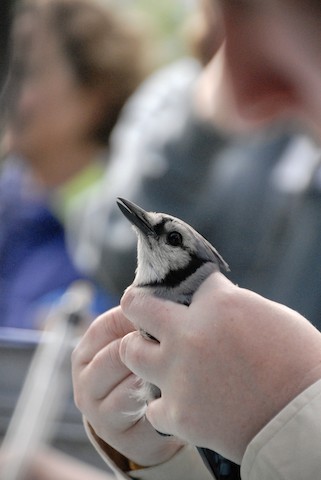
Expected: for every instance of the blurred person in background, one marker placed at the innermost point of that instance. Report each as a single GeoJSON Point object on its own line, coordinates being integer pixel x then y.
{"type": "Point", "coordinates": [240, 197]}
{"type": "Point", "coordinates": [151, 160]}
{"type": "Point", "coordinates": [251, 380]}
{"type": "Point", "coordinates": [73, 65]}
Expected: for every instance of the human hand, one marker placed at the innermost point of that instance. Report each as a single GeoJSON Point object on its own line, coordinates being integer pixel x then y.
{"type": "Point", "coordinates": [103, 390]}
{"type": "Point", "coordinates": [225, 365]}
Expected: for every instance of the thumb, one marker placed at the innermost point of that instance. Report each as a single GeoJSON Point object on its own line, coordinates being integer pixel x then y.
{"type": "Point", "coordinates": [157, 415]}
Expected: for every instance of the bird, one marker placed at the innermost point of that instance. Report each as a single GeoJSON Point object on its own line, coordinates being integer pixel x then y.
{"type": "Point", "coordinates": [173, 260]}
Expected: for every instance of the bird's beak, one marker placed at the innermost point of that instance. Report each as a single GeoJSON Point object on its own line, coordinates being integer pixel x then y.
{"type": "Point", "coordinates": [136, 215]}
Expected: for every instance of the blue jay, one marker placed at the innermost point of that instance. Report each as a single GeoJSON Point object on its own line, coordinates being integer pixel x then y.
{"type": "Point", "coordinates": [173, 260]}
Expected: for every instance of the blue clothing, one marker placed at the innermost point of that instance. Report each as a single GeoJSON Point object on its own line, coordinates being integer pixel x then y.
{"type": "Point", "coordinates": [35, 266]}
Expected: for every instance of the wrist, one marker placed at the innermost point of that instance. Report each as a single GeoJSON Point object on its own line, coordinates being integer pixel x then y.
{"type": "Point", "coordinates": [137, 461]}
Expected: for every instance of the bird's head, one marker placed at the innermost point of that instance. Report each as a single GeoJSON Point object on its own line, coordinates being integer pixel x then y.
{"type": "Point", "coordinates": [165, 244]}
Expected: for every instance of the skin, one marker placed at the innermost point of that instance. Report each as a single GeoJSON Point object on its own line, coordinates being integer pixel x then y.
{"type": "Point", "coordinates": [53, 113]}
{"type": "Point", "coordinates": [244, 352]}
{"type": "Point", "coordinates": [278, 74]}
{"type": "Point", "coordinates": [103, 388]}
{"type": "Point", "coordinates": [240, 361]}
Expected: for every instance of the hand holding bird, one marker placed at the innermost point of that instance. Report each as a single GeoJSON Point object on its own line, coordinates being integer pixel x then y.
{"type": "Point", "coordinates": [225, 365]}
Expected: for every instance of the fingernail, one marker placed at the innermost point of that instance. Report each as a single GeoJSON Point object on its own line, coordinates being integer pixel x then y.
{"type": "Point", "coordinates": [123, 348]}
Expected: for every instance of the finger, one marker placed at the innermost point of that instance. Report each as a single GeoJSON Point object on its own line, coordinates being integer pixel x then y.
{"type": "Point", "coordinates": [107, 327]}
{"type": "Point", "coordinates": [157, 414]}
{"type": "Point", "coordinates": [213, 285]}
{"type": "Point", "coordinates": [149, 313]}
{"type": "Point", "coordinates": [104, 372]}
{"type": "Point", "coordinates": [125, 414]}
{"type": "Point", "coordinates": [141, 356]}
{"type": "Point", "coordinates": [123, 406]}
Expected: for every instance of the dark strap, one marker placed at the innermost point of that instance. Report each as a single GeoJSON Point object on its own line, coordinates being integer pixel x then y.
{"type": "Point", "coordinates": [219, 466]}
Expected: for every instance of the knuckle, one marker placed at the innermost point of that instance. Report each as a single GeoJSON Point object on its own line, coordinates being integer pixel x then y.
{"type": "Point", "coordinates": [80, 398]}
{"type": "Point", "coordinates": [228, 301]}
{"type": "Point", "coordinates": [127, 299]}
{"type": "Point", "coordinates": [135, 302]}
{"type": "Point", "coordinates": [115, 324]}
{"type": "Point", "coordinates": [108, 359]}
{"type": "Point", "coordinates": [112, 358]}
{"type": "Point", "coordinates": [75, 357]}
{"type": "Point", "coordinates": [79, 394]}
{"type": "Point", "coordinates": [179, 417]}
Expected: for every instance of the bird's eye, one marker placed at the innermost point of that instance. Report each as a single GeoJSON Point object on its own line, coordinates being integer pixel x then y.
{"type": "Point", "coordinates": [175, 239]}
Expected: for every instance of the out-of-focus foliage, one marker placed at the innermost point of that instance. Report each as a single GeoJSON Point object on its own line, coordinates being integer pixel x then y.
{"type": "Point", "coordinates": [165, 20]}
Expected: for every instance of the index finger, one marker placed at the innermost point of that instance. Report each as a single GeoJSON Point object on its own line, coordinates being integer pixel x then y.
{"type": "Point", "coordinates": [149, 313]}
{"type": "Point", "coordinates": [108, 327]}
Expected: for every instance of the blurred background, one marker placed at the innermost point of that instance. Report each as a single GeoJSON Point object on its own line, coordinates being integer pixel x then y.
{"type": "Point", "coordinates": [106, 98]}
{"type": "Point", "coordinates": [36, 269]}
